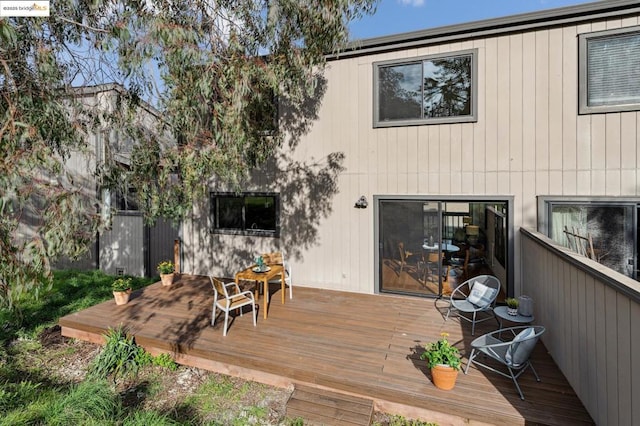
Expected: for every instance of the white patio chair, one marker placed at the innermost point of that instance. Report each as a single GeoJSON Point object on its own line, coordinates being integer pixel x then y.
{"type": "Point", "coordinates": [475, 297]}
{"type": "Point", "coordinates": [227, 301]}
{"type": "Point", "coordinates": [513, 354]}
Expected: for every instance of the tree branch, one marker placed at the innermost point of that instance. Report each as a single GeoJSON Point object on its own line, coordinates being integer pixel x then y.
{"type": "Point", "coordinates": [85, 26]}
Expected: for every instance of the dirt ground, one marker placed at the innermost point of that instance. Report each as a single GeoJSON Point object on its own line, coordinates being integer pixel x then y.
{"type": "Point", "coordinates": [157, 388]}
{"type": "Point", "coordinates": [67, 360]}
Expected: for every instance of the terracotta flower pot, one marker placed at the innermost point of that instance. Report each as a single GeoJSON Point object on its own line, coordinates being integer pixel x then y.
{"type": "Point", "coordinates": [122, 297]}
{"type": "Point", "coordinates": [167, 279]}
{"type": "Point", "coordinates": [444, 377]}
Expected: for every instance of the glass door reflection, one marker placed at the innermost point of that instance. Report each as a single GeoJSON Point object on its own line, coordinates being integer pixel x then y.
{"type": "Point", "coordinates": [428, 247]}
{"type": "Point", "coordinates": [409, 232]}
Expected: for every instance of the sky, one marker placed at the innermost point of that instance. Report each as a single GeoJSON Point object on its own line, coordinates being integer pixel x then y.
{"type": "Point", "coordinates": [400, 16]}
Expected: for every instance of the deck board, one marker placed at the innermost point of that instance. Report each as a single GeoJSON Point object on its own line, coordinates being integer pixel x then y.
{"type": "Point", "coordinates": [362, 345]}
{"type": "Point", "coordinates": [321, 407]}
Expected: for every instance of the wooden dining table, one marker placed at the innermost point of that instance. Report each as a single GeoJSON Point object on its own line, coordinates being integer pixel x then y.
{"type": "Point", "coordinates": [250, 274]}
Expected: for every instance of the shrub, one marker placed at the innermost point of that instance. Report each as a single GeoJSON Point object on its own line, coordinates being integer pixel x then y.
{"type": "Point", "coordinates": [120, 356]}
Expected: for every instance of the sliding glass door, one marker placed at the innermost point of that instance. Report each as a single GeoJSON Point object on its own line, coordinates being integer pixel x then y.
{"type": "Point", "coordinates": [405, 227]}
{"type": "Point", "coordinates": [428, 246]}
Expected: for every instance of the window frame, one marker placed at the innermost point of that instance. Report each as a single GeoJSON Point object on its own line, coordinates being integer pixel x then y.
{"type": "Point", "coordinates": [213, 196]}
{"type": "Point", "coordinates": [379, 236]}
{"type": "Point", "coordinates": [583, 104]}
{"type": "Point", "coordinates": [125, 202]}
{"type": "Point", "coordinates": [547, 202]}
{"type": "Point", "coordinates": [472, 117]}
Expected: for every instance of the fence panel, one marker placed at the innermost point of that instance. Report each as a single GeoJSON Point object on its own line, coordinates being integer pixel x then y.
{"type": "Point", "coordinates": [592, 316]}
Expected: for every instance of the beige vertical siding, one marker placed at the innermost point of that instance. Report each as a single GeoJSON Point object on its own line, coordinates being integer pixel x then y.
{"type": "Point", "coordinates": [593, 328]}
{"type": "Point", "coordinates": [528, 141]}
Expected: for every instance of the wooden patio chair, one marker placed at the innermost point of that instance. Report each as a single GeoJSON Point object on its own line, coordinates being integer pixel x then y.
{"type": "Point", "coordinates": [406, 259]}
{"type": "Point", "coordinates": [273, 258]}
{"type": "Point", "coordinates": [228, 301]}
{"type": "Point", "coordinates": [279, 259]}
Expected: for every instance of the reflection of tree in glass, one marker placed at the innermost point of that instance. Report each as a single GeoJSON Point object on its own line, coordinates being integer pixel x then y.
{"type": "Point", "coordinates": [447, 87]}
{"type": "Point", "coordinates": [395, 101]}
{"type": "Point", "coordinates": [610, 228]}
{"type": "Point", "coordinates": [612, 236]}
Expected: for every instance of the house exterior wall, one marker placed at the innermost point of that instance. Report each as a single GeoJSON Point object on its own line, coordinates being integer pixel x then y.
{"type": "Point", "coordinates": [124, 246]}
{"type": "Point", "coordinates": [528, 141]}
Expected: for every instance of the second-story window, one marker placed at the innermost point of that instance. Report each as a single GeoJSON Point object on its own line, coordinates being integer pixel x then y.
{"type": "Point", "coordinates": [610, 71]}
{"type": "Point", "coordinates": [426, 90]}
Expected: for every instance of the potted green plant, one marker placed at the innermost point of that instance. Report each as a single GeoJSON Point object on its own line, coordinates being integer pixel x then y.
{"type": "Point", "coordinates": [512, 305]}
{"type": "Point", "coordinates": [121, 288]}
{"type": "Point", "coordinates": [444, 362]}
{"type": "Point", "coordinates": [166, 269]}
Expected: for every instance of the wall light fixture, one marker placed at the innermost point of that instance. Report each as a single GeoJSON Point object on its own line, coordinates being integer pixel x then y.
{"type": "Point", "coordinates": [361, 203]}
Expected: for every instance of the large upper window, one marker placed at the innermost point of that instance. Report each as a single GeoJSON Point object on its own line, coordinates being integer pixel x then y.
{"type": "Point", "coordinates": [427, 90]}
{"type": "Point", "coordinates": [610, 71]}
{"type": "Point", "coordinates": [247, 214]}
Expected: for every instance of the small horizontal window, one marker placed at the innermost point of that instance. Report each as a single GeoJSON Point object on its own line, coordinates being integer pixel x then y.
{"type": "Point", "coordinates": [126, 202]}
{"type": "Point", "coordinates": [427, 90]}
{"type": "Point", "coordinates": [610, 71]}
{"type": "Point", "coordinates": [245, 214]}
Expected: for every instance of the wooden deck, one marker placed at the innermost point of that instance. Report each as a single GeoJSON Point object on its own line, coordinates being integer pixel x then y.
{"type": "Point", "coordinates": [361, 345]}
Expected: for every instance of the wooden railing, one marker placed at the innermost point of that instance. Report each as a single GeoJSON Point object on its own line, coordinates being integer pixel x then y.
{"type": "Point", "coordinates": [592, 316]}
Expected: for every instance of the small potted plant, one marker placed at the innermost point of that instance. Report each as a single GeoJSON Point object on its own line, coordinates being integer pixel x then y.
{"type": "Point", "coordinates": [166, 269]}
{"type": "Point", "coordinates": [444, 362]}
{"type": "Point", "coordinates": [512, 305]}
{"type": "Point", "coordinates": [121, 288]}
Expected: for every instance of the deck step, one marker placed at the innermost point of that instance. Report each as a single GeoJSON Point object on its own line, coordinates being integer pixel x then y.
{"type": "Point", "coordinates": [321, 407]}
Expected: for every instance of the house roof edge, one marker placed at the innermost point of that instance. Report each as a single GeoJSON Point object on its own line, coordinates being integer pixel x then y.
{"type": "Point", "coordinates": [93, 90]}
{"type": "Point", "coordinates": [489, 27]}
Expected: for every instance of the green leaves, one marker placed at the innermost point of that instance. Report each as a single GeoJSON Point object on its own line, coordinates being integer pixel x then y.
{"type": "Point", "coordinates": [441, 352]}
{"type": "Point", "coordinates": [122, 358]}
{"type": "Point", "coordinates": [218, 74]}
{"type": "Point", "coordinates": [7, 33]}
{"type": "Point", "coordinates": [118, 358]}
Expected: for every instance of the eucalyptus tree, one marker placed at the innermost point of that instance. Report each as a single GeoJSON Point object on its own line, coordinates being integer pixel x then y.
{"type": "Point", "coordinates": [212, 68]}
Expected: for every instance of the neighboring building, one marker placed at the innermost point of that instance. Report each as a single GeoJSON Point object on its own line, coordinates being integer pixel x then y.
{"type": "Point", "coordinates": [128, 247]}
{"type": "Point", "coordinates": [464, 133]}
